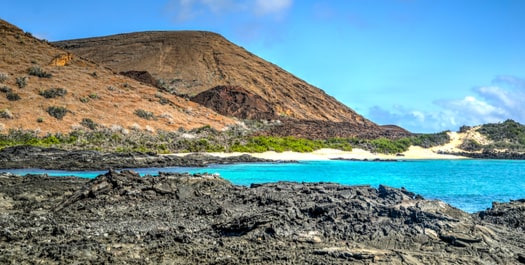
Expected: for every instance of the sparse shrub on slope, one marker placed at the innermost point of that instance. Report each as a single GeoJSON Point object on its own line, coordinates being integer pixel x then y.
{"type": "Point", "coordinates": [37, 71]}
{"type": "Point", "coordinates": [53, 92]}
{"type": "Point", "coordinates": [5, 89]}
{"type": "Point", "coordinates": [3, 77]}
{"type": "Point", "coordinates": [144, 114]}
{"type": "Point", "coordinates": [471, 145]}
{"type": "Point", "coordinates": [89, 123]}
{"type": "Point", "coordinates": [6, 114]}
{"type": "Point", "coordinates": [57, 112]}
{"type": "Point", "coordinates": [12, 96]}
{"type": "Point", "coordinates": [21, 81]}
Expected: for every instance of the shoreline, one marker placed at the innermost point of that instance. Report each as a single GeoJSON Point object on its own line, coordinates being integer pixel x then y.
{"type": "Point", "coordinates": [414, 153]}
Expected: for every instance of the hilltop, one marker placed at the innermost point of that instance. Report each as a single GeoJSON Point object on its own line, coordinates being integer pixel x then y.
{"type": "Point", "coordinates": [210, 70]}
{"type": "Point", "coordinates": [49, 90]}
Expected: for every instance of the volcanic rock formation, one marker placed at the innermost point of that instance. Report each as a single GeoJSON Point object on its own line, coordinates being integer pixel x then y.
{"type": "Point", "coordinates": [122, 218]}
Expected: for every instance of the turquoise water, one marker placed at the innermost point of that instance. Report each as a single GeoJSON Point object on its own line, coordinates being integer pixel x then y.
{"type": "Point", "coordinates": [471, 185]}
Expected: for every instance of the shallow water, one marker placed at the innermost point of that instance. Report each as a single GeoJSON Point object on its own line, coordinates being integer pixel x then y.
{"type": "Point", "coordinates": [471, 185]}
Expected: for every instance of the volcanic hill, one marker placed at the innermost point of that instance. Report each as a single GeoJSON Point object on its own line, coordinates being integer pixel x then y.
{"type": "Point", "coordinates": [228, 79]}
{"type": "Point", "coordinates": [50, 90]}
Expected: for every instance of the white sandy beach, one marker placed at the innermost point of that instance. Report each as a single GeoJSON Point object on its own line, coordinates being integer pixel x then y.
{"type": "Point", "coordinates": [413, 153]}
{"type": "Point", "coordinates": [326, 154]}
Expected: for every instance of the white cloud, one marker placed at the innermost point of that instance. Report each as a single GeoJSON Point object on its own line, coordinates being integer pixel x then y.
{"type": "Point", "coordinates": [185, 10]}
{"type": "Point", "coordinates": [272, 6]}
{"type": "Point", "coordinates": [504, 99]}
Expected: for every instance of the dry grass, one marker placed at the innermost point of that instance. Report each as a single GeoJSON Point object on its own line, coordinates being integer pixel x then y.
{"type": "Point", "coordinates": [112, 99]}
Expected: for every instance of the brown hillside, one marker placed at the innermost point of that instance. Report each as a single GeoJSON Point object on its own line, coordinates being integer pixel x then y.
{"type": "Point", "coordinates": [191, 62]}
{"type": "Point", "coordinates": [92, 92]}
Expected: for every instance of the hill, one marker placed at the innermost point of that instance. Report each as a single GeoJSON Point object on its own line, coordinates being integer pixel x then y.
{"type": "Point", "coordinates": [211, 70]}
{"type": "Point", "coordinates": [503, 140]}
{"type": "Point", "coordinates": [50, 90]}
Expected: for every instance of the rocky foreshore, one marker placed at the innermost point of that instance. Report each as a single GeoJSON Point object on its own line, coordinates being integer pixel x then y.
{"type": "Point", "coordinates": [122, 218]}
{"type": "Point", "coordinates": [52, 158]}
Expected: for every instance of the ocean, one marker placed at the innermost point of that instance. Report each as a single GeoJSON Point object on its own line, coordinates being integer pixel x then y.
{"type": "Point", "coordinates": [470, 185]}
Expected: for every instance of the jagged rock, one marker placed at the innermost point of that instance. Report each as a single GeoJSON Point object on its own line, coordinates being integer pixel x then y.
{"type": "Point", "coordinates": [176, 218]}
{"type": "Point", "coordinates": [52, 158]}
{"type": "Point", "coordinates": [510, 214]}
{"type": "Point", "coordinates": [236, 102]}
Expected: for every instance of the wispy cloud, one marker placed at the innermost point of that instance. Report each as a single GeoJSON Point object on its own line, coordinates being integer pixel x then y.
{"type": "Point", "coordinates": [503, 99]}
{"type": "Point", "coordinates": [264, 7]}
{"type": "Point", "coordinates": [260, 20]}
{"type": "Point", "coordinates": [185, 10]}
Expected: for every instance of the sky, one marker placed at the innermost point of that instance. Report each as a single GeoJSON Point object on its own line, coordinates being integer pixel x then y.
{"type": "Point", "coordinates": [425, 65]}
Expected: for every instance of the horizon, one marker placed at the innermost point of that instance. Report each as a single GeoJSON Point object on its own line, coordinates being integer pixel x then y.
{"type": "Point", "coordinates": [421, 65]}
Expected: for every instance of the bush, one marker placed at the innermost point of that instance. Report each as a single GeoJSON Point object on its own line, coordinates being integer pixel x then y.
{"type": "Point", "coordinates": [40, 120]}
{"type": "Point", "coordinates": [21, 81]}
{"type": "Point", "coordinates": [470, 145]}
{"type": "Point", "coordinates": [13, 96]}
{"type": "Point", "coordinates": [388, 146]}
{"type": "Point", "coordinates": [430, 140]}
{"type": "Point", "coordinates": [144, 114]}
{"type": "Point", "coordinates": [6, 114]}
{"type": "Point", "coordinates": [3, 77]}
{"type": "Point", "coordinates": [53, 92]}
{"type": "Point", "coordinates": [5, 89]}
{"type": "Point", "coordinates": [37, 71]}
{"type": "Point", "coordinates": [88, 123]}
{"type": "Point", "coordinates": [57, 112]}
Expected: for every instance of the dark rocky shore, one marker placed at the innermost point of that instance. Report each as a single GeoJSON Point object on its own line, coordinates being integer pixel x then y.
{"type": "Point", "coordinates": [51, 158]}
{"type": "Point", "coordinates": [122, 218]}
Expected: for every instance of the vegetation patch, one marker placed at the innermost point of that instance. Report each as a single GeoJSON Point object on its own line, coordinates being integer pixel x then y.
{"type": "Point", "coordinates": [37, 71]}
{"type": "Point", "coordinates": [12, 96]}
{"type": "Point", "coordinates": [5, 89]}
{"type": "Point", "coordinates": [508, 135]}
{"type": "Point", "coordinates": [53, 92]}
{"type": "Point", "coordinates": [144, 114]}
{"type": "Point", "coordinates": [57, 112]}
{"type": "Point", "coordinates": [3, 77]}
{"type": "Point", "coordinates": [6, 114]}
{"type": "Point", "coordinates": [21, 81]}
{"type": "Point", "coordinates": [89, 123]}
{"type": "Point", "coordinates": [430, 140]}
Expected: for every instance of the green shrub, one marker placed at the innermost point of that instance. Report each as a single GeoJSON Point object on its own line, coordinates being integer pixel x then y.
{"type": "Point", "coordinates": [37, 71]}
{"type": "Point", "coordinates": [88, 123]}
{"type": "Point", "coordinates": [388, 146]}
{"type": "Point", "coordinates": [5, 89]}
{"type": "Point", "coordinates": [21, 81]}
{"type": "Point", "coordinates": [430, 140]}
{"type": "Point", "coordinates": [57, 112]}
{"type": "Point", "coordinates": [13, 96]}
{"type": "Point", "coordinates": [6, 114]}
{"type": "Point", "coordinates": [53, 92]}
{"type": "Point", "coordinates": [3, 77]}
{"type": "Point", "coordinates": [40, 120]}
{"type": "Point", "coordinates": [470, 145]}
{"type": "Point", "coordinates": [144, 114]}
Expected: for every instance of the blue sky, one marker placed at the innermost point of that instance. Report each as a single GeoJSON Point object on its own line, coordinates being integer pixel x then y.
{"type": "Point", "coordinates": [426, 65]}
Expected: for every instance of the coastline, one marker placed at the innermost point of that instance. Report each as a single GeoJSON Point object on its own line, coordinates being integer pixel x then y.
{"type": "Point", "coordinates": [414, 153]}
